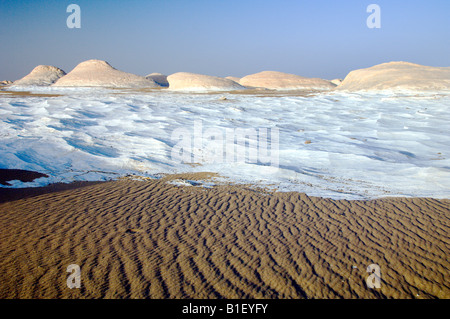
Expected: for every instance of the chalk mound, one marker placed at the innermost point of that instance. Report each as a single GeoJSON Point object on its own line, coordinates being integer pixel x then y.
{"type": "Point", "coordinates": [233, 78]}
{"type": "Point", "coordinates": [159, 78]}
{"type": "Point", "coordinates": [284, 81]}
{"type": "Point", "coordinates": [6, 82]}
{"type": "Point", "coordinates": [97, 73]}
{"type": "Point", "coordinates": [398, 76]}
{"type": "Point", "coordinates": [185, 81]}
{"type": "Point", "coordinates": [42, 75]}
{"type": "Point", "coordinates": [337, 81]}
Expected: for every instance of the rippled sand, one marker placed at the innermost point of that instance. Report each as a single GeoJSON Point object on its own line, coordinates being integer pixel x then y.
{"type": "Point", "coordinates": [151, 239]}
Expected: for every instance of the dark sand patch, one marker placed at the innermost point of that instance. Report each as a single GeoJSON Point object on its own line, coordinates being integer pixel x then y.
{"type": "Point", "coordinates": [6, 93]}
{"type": "Point", "coordinates": [7, 175]}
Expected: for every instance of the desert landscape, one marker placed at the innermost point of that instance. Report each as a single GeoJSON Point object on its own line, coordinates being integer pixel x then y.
{"type": "Point", "coordinates": [89, 177]}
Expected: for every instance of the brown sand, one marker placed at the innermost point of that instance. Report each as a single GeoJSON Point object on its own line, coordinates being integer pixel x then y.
{"type": "Point", "coordinates": [6, 93]}
{"type": "Point", "coordinates": [151, 239]}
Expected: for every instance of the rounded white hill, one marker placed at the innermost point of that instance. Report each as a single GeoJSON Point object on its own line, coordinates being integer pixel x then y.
{"type": "Point", "coordinates": [99, 73]}
{"type": "Point", "coordinates": [397, 76]}
{"type": "Point", "coordinates": [42, 75]}
{"type": "Point", "coordinates": [186, 81]}
{"type": "Point", "coordinates": [284, 81]}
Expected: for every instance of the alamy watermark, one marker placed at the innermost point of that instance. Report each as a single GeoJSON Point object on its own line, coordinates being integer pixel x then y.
{"type": "Point", "coordinates": [225, 145]}
{"type": "Point", "coordinates": [74, 19]}
{"type": "Point", "coordinates": [74, 279]}
{"type": "Point", "coordinates": [374, 279]}
{"type": "Point", "coordinates": [374, 20]}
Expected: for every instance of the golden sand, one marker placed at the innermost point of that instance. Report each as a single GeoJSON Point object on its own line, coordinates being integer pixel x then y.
{"type": "Point", "coordinates": [6, 93]}
{"type": "Point", "coordinates": [151, 239]}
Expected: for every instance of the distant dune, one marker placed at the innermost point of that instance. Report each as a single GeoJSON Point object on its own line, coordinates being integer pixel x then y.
{"type": "Point", "coordinates": [284, 81]}
{"type": "Point", "coordinates": [398, 75]}
{"type": "Point", "coordinates": [42, 75]}
{"type": "Point", "coordinates": [193, 82]}
{"type": "Point", "coordinates": [99, 73]}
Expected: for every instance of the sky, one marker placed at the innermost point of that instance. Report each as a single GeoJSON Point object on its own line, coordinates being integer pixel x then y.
{"type": "Point", "coordinates": [312, 38]}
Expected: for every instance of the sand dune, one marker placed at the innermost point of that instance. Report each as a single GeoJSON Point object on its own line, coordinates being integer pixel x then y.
{"type": "Point", "coordinates": [398, 75]}
{"type": "Point", "coordinates": [42, 75]}
{"type": "Point", "coordinates": [200, 82]}
{"type": "Point", "coordinates": [99, 73]}
{"type": "Point", "coordinates": [140, 239]}
{"type": "Point", "coordinates": [284, 81]}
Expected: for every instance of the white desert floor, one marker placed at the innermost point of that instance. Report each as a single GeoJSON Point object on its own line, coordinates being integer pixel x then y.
{"type": "Point", "coordinates": [363, 145]}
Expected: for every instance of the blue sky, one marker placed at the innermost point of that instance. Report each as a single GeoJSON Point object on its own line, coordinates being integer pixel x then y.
{"type": "Point", "coordinates": [314, 38]}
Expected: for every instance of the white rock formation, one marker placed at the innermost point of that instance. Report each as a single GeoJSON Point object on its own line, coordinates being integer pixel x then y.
{"type": "Point", "coordinates": [42, 75]}
{"type": "Point", "coordinates": [233, 78]}
{"type": "Point", "coordinates": [159, 78]}
{"type": "Point", "coordinates": [185, 81]}
{"type": "Point", "coordinates": [336, 81]}
{"type": "Point", "coordinates": [284, 81]}
{"type": "Point", "coordinates": [97, 73]}
{"type": "Point", "coordinates": [6, 82]}
{"type": "Point", "coordinates": [398, 76]}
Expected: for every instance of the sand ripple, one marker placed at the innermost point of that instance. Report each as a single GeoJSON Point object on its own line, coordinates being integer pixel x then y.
{"type": "Point", "coordinates": [151, 239]}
